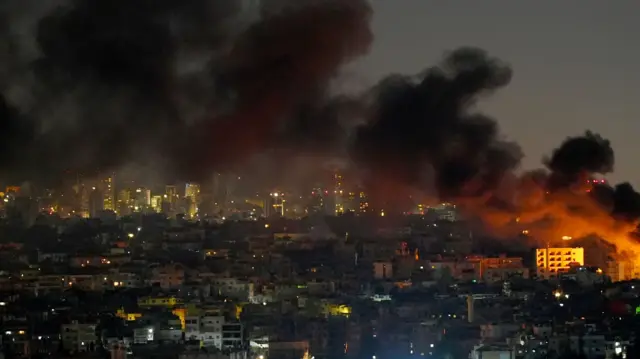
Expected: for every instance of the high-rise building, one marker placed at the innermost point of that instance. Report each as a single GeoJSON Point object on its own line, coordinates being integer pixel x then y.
{"type": "Point", "coordinates": [96, 202]}
{"type": "Point", "coordinates": [170, 199]}
{"type": "Point", "coordinates": [124, 202]}
{"type": "Point", "coordinates": [338, 194]}
{"type": "Point", "coordinates": [192, 193]}
{"type": "Point", "coordinates": [83, 200]}
{"type": "Point", "coordinates": [621, 270]}
{"type": "Point", "coordinates": [277, 203]}
{"type": "Point", "coordinates": [171, 192]}
{"type": "Point", "coordinates": [142, 199]}
{"type": "Point", "coordinates": [108, 190]}
{"type": "Point", "coordinates": [364, 203]}
{"type": "Point", "coordinates": [156, 203]}
{"type": "Point", "coordinates": [550, 262]}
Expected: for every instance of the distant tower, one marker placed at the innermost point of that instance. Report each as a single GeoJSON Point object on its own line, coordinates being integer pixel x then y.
{"type": "Point", "coordinates": [278, 202]}
{"type": "Point", "coordinates": [108, 189]}
{"type": "Point", "coordinates": [96, 202]}
{"type": "Point", "coordinates": [192, 192]}
{"type": "Point", "coordinates": [338, 193]}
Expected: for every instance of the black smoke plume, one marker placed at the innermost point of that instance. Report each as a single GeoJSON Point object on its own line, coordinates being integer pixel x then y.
{"type": "Point", "coordinates": [578, 159]}
{"type": "Point", "coordinates": [193, 85]}
{"type": "Point", "coordinates": [423, 130]}
{"type": "Point", "coordinates": [574, 165]}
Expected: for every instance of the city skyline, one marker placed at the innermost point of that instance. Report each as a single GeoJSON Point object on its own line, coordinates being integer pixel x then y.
{"type": "Point", "coordinates": [319, 179]}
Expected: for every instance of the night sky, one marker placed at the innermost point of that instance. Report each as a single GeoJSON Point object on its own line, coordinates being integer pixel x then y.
{"type": "Point", "coordinates": [575, 65]}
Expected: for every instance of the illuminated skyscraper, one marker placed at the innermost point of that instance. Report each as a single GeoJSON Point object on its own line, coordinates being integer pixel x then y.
{"type": "Point", "coordinates": [338, 194]}
{"type": "Point", "coordinates": [142, 199]}
{"type": "Point", "coordinates": [108, 190]}
{"type": "Point", "coordinates": [124, 202]}
{"type": "Point", "coordinates": [156, 203]}
{"type": "Point", "coordinates": [171, 192]}
{"type": "Point", "coordinates": [278, 202]}
{"type": "Point", "coordinates": [83, 198]}
{"type": "Point", "coordinates": [364, 203]}
{"type": "Point", "coordinates": [192, 192]}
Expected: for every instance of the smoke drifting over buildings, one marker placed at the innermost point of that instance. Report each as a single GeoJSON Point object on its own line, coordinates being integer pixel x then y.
{"type": "Point", "coordinates": [197, 82]}
{"type": "Point", "coordinates": [200, 86]}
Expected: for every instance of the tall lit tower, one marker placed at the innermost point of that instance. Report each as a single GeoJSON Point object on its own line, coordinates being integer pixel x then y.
{"type": "Point", "coordinates": [170, 197]}
{"type": "Point", "coordinates": [338, 192]}
{"type": "Point", "coordinates": [278, 202]}
{"type": "Point", "coordinates": [192, 192]}
{"type": "Point", "coordinates": [108, 189]}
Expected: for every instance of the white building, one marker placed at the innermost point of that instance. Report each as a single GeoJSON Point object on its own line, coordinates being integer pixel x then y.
{"type": "Point", "coordinates": [210, 339]}
{"type": "Point", "coordinates": [211, 323]}
{"type": "Point", "coordinates": [213, 331]}
{"type": "Point", "coordinates": [143, 335]}
{"type": "Point", "coordinates": [233, 288]}
{"type": "Point", "coordinates": [191, 326]}
{"type": "Point", "coordinates": [553, 261]}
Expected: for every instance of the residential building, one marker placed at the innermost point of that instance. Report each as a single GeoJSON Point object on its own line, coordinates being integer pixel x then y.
{"type": "Point", "coordinates": [553, 261]}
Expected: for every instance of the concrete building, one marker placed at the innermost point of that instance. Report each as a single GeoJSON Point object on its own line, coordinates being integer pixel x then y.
{"type": "Point", "coordinates": [620, 271]}
{"type": "Point", "coordinates": [79, 337]}
{"type": "Point", "coordinates": [553, 261]}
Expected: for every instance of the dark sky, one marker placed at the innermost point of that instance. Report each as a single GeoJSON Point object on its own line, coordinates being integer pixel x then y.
{"type": "Point", "coordinates": [575, 64]}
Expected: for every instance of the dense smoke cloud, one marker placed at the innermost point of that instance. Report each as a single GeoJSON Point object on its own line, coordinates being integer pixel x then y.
{"type": "Point", "coordinates": [579, 158]}
{"type": "Point", "coordinates": [200, 84]}
{"type": "Point", "coordinates": [573, 167]}
{"type": "Point", "coordinates": [427, 125]}
{"type": "Point", "coordinates": [567, 201]}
